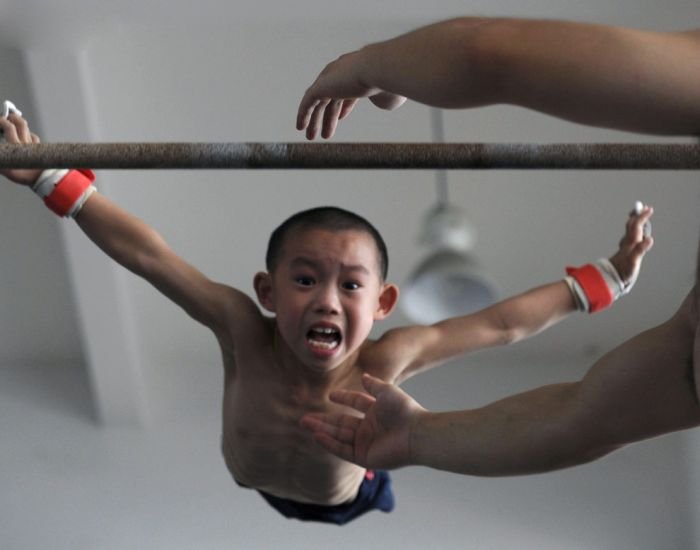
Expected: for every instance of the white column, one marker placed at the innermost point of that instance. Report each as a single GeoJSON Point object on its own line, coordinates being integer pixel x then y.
{"type": "Point", "coordinates": [63, 99]}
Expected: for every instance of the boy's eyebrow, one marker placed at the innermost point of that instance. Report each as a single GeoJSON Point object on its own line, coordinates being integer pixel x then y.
{"type": "Point", "coordinates": [302, 261]}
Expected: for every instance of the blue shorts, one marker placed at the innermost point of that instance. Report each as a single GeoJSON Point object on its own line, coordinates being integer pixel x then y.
{"type": "Point", "coordinates": [374, 494]}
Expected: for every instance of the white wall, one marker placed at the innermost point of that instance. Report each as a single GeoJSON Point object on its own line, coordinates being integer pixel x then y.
{"type": "Point", "coordinates": [72, 484]}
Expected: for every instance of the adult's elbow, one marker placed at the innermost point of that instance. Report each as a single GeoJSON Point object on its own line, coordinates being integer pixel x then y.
{"type": "Point", "coordinates": [467, 54]}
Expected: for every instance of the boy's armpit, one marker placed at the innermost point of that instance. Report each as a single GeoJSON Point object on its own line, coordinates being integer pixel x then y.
{"type": "Point", "coordinates": [240, 316]}
{"type": "Point", "coordinates": [398, 354]}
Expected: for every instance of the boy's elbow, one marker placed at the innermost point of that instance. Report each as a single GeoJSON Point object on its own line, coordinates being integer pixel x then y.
{"type": "Point", "coordinates": [151, 256]}
{"type": "Point", "coordinates": [507, 331]}
{"type": "Point", "coordinates": [511, 336]}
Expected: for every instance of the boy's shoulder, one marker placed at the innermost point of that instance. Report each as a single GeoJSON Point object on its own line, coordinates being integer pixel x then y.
{"type": "Point", "coordinates": [245, 322]}
{"type": "Point", "coordinates": [387, 356]}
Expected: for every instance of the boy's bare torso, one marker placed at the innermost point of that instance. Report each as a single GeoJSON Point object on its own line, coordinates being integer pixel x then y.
{"type": "Point", "coordinates": [263, 445]}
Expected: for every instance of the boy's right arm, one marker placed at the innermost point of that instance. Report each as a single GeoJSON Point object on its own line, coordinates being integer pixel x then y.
{"type": "Point", "coordinates": [140, 249]}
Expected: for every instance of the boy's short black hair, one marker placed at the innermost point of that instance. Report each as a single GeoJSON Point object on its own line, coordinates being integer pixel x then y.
{"type": "Point", "coordinates": [331, 218]}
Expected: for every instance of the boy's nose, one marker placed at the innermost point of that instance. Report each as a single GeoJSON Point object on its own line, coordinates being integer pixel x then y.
{"type": "Point", "coordinates": [327, 301]}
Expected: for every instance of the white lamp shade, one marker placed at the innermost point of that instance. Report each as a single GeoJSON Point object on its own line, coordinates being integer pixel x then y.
{"type": "Point", "coordinates": [447, 227]}
{"type": "Point", "coordinates": [446, 284]}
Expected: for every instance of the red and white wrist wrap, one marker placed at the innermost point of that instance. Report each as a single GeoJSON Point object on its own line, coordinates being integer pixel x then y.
{"type": "Point", "coordinates": [596, 286]}
{"type": "Point", "coordinates": [65, 191]}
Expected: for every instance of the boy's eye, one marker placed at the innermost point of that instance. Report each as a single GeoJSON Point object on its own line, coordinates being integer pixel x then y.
{"type": "Point", "coordinates": [304, 281]}
{"type": "Point", "coordinates": [351, 286]}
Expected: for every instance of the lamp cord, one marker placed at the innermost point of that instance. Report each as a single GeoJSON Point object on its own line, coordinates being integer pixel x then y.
{"type": "Point", "coordinates": [437, 124]}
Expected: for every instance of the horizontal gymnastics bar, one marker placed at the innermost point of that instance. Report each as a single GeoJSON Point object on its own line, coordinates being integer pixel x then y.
{"type": "Point", "coordinates": [569, 156]}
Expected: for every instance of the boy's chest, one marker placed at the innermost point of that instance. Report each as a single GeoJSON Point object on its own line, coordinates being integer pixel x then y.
{"type": "Point", "coordinates": [276, 404]}
{"type": "Point", "coordinates": [265, 447]}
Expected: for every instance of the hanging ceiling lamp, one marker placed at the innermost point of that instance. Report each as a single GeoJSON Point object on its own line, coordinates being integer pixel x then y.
{"type": "Point", "coordinates": [448, 282]}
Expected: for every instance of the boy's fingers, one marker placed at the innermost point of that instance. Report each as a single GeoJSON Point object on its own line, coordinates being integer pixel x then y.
{"type": "Point", "coordinates": [637, 226]}
{"type": "Point", "coordinates": [635, 253]}
{"type": "Point", "coordinates": [646, 224]}
{"type": "Point", "coordinates": [25, 136]}
{"type": "Point", "coordinates": [9, 131]}
{"type": "Point", "coordinates": [643, 246]}
{"type": "Point", "coordinates": [15, 129]}
{"type": "Point", "coordinates": [644, 216]}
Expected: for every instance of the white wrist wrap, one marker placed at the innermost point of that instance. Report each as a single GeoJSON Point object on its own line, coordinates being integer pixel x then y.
{"type": "Point", "coordinates": [582, 303]}
{"type": "Point", "coordinates": [65, 191]}
{"type": "Point", "coordinates": [617, 286]}
{"type": "Point", "coordinates": [47, 180]}
{"type": "Point", "coordinates": [73, 212]}
{"type": "Point", "coordinates": [596, 286]}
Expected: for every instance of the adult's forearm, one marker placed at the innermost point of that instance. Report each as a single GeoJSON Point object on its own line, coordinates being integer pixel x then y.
{"type": "Point", "coordinates": [592, 74]}
{"type": "Point", "coordinates": [438, 65]}
{"type": "Point", "coordinates": [605, 76]}
{"type": "Point", "coordinates": [533, 432]}
{"type": "Point", "coordinates": [641, 389]}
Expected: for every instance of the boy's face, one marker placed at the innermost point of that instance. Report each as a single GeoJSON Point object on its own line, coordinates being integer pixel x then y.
{"type": "Point", "coordinates": [326, 292]}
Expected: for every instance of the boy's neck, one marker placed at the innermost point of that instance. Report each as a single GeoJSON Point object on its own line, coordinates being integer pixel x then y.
{"type": "Point", "coordinates": [299, 372]}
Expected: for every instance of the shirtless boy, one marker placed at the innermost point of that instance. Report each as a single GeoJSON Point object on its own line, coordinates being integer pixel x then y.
{"type": "Point", "coordinates": [325, 286]}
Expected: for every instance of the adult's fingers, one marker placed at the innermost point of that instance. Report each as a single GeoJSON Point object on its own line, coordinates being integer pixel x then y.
{"type": "Point", "coordinates": [331, 115]}
{"type": "Point", "coordinates": [374, 385]}
{"type": "Point", "coordinates": [348, 106]}
{"type": "Point", "coordinates": [357, 400]}
{"type": "Point", "coordinates": [305, 109]}
{"type": "Point", "coordinates": [313, 129]}
{"type": "Point", "coordinates": [346, 451]}
{"type": "Point", "coordinates": [340, 427]}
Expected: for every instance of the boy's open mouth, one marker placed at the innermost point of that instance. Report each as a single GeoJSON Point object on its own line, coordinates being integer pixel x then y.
{"type": "Point", "coordinates": [323, 338]}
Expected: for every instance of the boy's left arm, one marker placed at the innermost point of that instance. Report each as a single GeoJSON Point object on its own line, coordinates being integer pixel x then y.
{"type": "Point", "coordinates": [589, 288]}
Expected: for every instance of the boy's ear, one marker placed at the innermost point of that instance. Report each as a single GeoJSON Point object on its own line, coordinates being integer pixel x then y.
{"type": "Point", "coordinates": [263, 289]}
{"type": "Point", "coordinates": [388, 298]}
